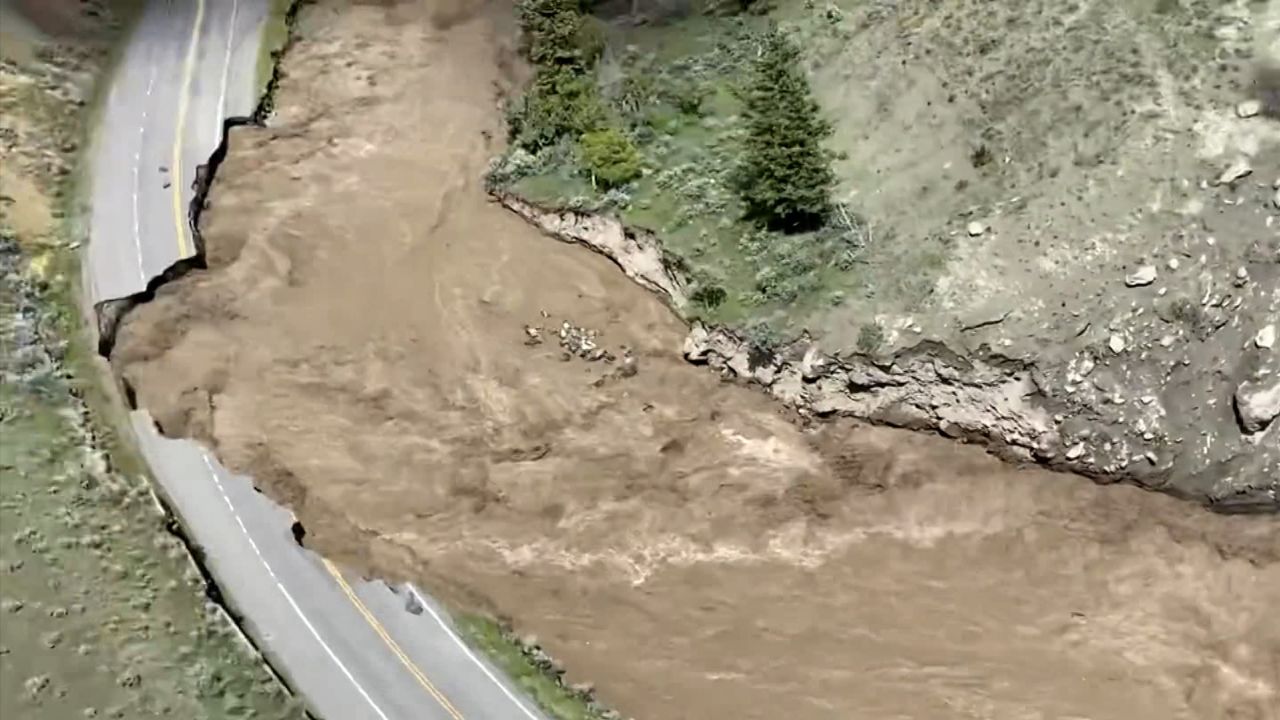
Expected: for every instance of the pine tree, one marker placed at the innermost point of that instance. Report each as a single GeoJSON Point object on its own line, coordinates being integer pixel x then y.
{"type": "Point", "coordinates": [785, 177]}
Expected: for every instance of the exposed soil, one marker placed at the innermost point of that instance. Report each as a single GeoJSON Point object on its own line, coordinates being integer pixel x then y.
{"type": "Point", "coordinates": [386, 352]}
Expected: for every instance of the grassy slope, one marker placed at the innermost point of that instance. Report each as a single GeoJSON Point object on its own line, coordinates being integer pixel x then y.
{"type": "Point", "coordinates": [684, 197]}
{"type": "Point", "coordinates": [101, 608]}
{"type": "Point", "coordinates": [886, 75]}
{"type": "Point", "coordinates": [274, 36]}
{"type": "Point", "coordinates": [555, 699]}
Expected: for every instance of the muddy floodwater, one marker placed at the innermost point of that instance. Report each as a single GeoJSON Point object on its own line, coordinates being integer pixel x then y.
{"type": "Point", "coordinates": [931, 582]}
{"type": "Point", "coordinates": [408, 367]}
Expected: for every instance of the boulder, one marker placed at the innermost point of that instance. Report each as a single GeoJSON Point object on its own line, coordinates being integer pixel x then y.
{"type": "Point", "coordinates": [1257, 404]}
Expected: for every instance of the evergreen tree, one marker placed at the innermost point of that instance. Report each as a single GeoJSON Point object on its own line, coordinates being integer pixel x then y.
{"type": "Point", "coordinates": [553, 32]}
{"type": "Point", "coordinates": [785, 177]}
{"type": "Point", "coordinates": [563, 45]}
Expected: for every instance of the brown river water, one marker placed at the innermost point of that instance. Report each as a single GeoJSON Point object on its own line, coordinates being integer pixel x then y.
{"type": "Point", "coordinates": [358, 345]}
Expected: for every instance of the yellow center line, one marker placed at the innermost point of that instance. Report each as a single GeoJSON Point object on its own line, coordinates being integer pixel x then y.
{"type": "Point", "coordinates": [179, 217]}
{"type": "Point", "coordinates": [382, 633]}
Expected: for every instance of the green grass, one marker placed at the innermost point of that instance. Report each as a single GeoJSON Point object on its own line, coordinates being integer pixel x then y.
{"type": "Point", "coordinates": [102, 612]}
{"type": "Point", "coordinates": [486, 635]}
{"type": "Point", "coordinates": [685, 197]}
{"type": "Point", "coordinates": [275, 33]}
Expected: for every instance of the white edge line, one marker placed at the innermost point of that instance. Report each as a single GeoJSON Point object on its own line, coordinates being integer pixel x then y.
{"type": "Point", "coordinates": [458, 641]}
{"type": "Point", "coordinates": [221, 490]}
{"type": "Point", "coordinates": [226, 68]}
{"type": "Point", "coordinates": [137, 175]}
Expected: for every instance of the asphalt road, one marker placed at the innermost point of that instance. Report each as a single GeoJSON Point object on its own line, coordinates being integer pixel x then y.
{"type": "Point", "coordinates": [351, 648]}
{"type": "Point", "coordinates": [187, 66]}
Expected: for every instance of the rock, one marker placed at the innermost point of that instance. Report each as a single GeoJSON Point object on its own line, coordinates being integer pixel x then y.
{"type": "Point", "coordinates": [1143, 275]}
{"type": "Point", "coordinates": [35, 685]}
{"type": "Point", "coordinates": [1236, 170]}
{"type": "Point", "coordinates": [1257, 404]}
{"type": "Point", "coordinates": [1075, 452]}
{"type": "Point", "coordinates": [1266, 337]}
{"type": "Point", "coordinates": [585, 689]}
{"type": "Point", "coordinates": [975, 228]}
{"type": "Point", "coordinates": [1172, 264]}
{"type": "Point", "coordinates": [1116, 343]}
{"type": "Point", "coordinates": [1086, 366]}
{"type": "Point", "coordinates": [628, 368]}
{"type": "Point", "coordinates": [1248, 108]}
{"type": "Point", "coordinates": [811, 364]}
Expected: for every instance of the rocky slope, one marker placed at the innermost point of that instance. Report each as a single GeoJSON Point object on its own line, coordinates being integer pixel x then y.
{"type": "Point", "coordinates": [1083, 274]}
{"type": "Point", "coordinates": [1073, 416]}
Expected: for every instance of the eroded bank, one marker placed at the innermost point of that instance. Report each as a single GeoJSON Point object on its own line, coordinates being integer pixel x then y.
{"type": "Point", "coordinates": [441, 393]}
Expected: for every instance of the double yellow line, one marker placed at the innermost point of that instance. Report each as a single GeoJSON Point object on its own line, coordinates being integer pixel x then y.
{"type": "Point", "coordinates": [382, 633]}
{"type": "Point", "coordinates": [188, 68]}
{"type": "Point", "coordinates": [184, 250]}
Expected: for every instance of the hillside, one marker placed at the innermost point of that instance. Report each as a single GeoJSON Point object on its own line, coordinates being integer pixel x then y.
{"type": "Point", "coordinates": [1053, 228]}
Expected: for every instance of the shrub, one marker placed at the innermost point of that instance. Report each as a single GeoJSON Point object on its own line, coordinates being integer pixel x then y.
{"type": "Point", "coordinates": [687, 96]}
{"type": "Point", "coordinates": [554, 33]}
{"type": "Point", "coordinates": [590, 40]}
{"type": "Point", "coordinates": [561, 102]}
{"type": "Point", "coordinates": [610, 157]}
{"type": "Point", "coordinates": [870, 337]}
{"type": "Point", "coordinates": [708, 297]}
{"type": "Point", "coordinates": [785, 176]}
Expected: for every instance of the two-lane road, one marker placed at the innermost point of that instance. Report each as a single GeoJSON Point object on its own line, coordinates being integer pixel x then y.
{"type": "Point", "coordinates": [188, 65]}
{"type": "Point", "coordinates": [352, 649]}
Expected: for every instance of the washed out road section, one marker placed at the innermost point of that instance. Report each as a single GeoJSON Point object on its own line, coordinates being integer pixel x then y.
{"type": "Point", "coordinates": [187, 67]}
{"type": "Point", "coordinates": [353, 649]}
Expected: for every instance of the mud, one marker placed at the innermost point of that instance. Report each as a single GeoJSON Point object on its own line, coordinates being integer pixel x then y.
{"type": "Point", "coordinates": [382, 348]}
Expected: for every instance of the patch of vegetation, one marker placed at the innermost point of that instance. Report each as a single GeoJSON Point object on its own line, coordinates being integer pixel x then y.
{"type": "Point", "coordinates": [870, 337]}
{"type": "Point", "coordinates": [275, 34]}
{"type": "Point", "coordinates": [564, 44]}
{"type": "Point", "coordinates": [535, 675]}
{"type": "Point", "coordinates": [657, 140]}
{"type": "Point", "coordinates": [610, 157]}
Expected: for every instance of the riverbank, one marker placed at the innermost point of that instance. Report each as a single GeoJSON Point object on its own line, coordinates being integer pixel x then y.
{"type": "Point", "coordinates": [991, 273]}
